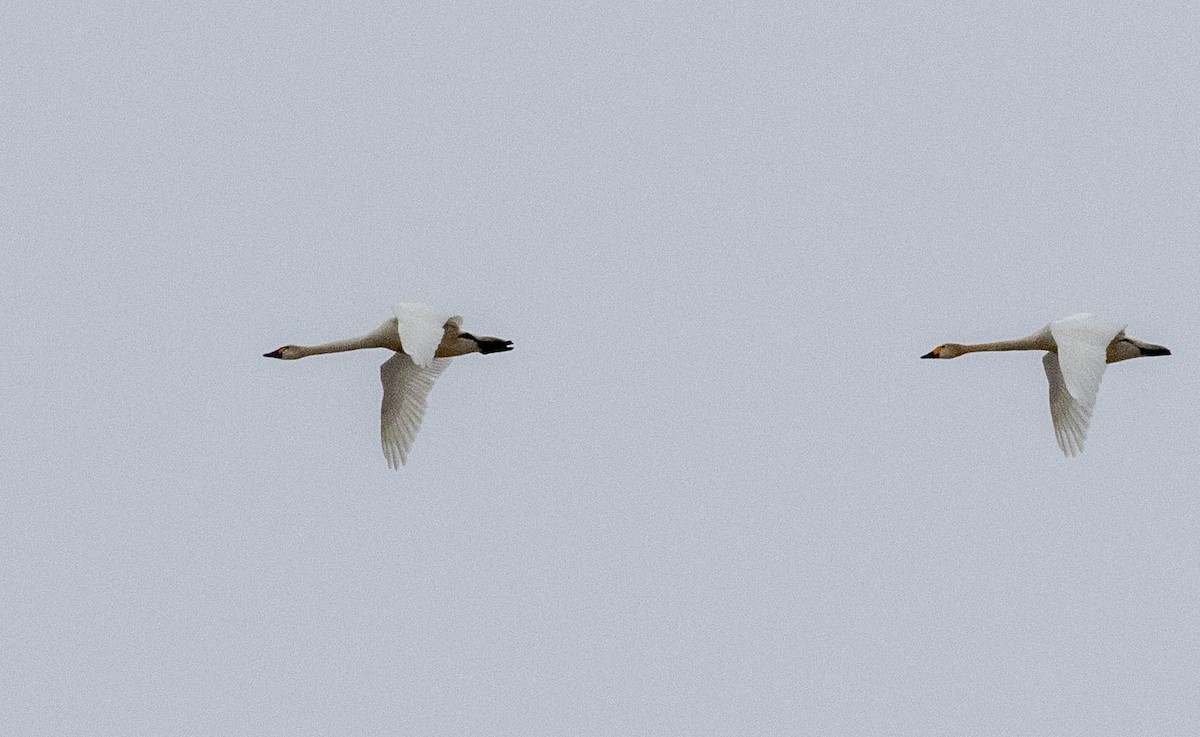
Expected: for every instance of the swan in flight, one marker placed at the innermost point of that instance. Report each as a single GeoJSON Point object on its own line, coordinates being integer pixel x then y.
{"type": "Point", "coordinates": [1077, 349]}
{"type": "Point", "coordinates": [424, 342]}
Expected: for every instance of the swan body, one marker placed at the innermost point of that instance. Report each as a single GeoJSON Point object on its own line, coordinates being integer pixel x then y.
{"type": "Point", "coordinates": [1077, 350]}
{"type": "Point", "coordinates": [424, 341]}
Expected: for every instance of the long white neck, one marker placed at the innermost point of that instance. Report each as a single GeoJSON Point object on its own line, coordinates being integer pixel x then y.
{"type": "Point", "coordinates": [1036, 342]}
{"type": "Point", "coordinates": [339, 346]}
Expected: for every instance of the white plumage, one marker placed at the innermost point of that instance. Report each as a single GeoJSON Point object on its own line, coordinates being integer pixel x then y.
{"type": "Point", "coordinates": [405, 389]}
{"type": "Point", "coordinates": [424, 341]}
{"type": "Point", "coordinates": [1077, 350]}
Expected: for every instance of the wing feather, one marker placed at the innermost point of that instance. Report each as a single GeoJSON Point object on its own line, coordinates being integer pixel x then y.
{"type": "Point", "coordinates": [1071, 416]}
{"type": "Point", "coordinates": [421, 328]}
{"type": "Point", "coordinates": [1082, 342]}
{"type": "Point", "coordinates": [1075, 373]}
{"type": "Point", "coordinates": [406, 386]}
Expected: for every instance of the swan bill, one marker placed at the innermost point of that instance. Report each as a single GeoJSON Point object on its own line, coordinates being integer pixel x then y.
{"type": "Point", "coordinates": [1076, 351]}
{"type": "Point", "coordinates": [422, 342]}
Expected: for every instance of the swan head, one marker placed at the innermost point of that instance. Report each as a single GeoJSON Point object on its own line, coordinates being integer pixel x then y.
{"type": "Point", "coordinates": [946, 350]}
{"type": "Point", "coordinates": [287, 353]}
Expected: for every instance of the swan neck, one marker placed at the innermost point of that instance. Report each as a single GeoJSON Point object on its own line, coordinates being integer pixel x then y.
{"type": "Point", "coordinates": [340, 346]}
{"type": "Point", "coordinates": [1021, 344]}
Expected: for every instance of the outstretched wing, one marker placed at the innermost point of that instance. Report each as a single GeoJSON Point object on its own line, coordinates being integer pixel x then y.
{"type": "Point", "coordinates": [405, 388]}
{"type": "Point", "coordinates": [421, 329]}
{"type": "Point", "coordinates": [1082, 342]}
{"type": "Point", "coordinates": [1075, 375]}
{"type": "Point", "coordinates": [1071, 417]}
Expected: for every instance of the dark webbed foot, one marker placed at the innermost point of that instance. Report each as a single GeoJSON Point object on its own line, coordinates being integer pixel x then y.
{"type": "Point", "coordinates": [493, 345]}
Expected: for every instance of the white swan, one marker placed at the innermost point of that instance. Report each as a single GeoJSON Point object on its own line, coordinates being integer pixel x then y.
{"type": "Point", "coordinates": [424, 342]}
{"type": "Point", "coordinates": [1077, 349]}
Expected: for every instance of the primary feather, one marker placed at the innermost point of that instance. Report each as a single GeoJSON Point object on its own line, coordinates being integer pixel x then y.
{"type": "Point", "coordinates": [421, 329]}
{"type": "Point", "coordinates": [1082, 342]}
{"type": "Point", "coordinates": [406, 387]}
{"type": "Point", "coordinates": [1077, 350]}
{"type": "Point", "coordinates": [424, 341]}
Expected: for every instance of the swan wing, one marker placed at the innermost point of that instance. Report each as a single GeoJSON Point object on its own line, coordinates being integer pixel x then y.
{"type": "Point", "coordinates": [1071, 417]}
{"type": "Point", "coordinates": [405, 389]}
{"type": "Point", "coordinates": [1082, 342]}
{"type": "Point", "coordinates": [420, 328]}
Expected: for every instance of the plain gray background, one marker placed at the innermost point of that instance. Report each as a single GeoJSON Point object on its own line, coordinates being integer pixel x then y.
{"type": "Point", "coordinates": [712, 491]}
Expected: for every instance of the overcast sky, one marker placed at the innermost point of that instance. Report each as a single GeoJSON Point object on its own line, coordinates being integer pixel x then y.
{"type": "Point", "coordinates": [712, 491]}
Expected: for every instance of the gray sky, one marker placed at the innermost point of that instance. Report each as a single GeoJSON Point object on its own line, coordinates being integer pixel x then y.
{"type": "Point", "coordinates": [712, 491]}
